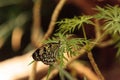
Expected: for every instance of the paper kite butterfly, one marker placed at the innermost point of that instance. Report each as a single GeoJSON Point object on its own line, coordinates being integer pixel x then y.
{"type": "Point", "coordinates": [47, 53]}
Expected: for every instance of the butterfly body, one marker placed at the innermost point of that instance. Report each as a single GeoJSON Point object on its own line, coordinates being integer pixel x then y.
{"type": "Point", "coordinates": [47, 53]}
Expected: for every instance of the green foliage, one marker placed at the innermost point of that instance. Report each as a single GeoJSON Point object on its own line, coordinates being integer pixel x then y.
{"type": "Point", "coordinates": [31, 62]}
{"type": "Point", "coordinates": [49, 70]}
{"type": "Point", "coordinates": [63, 73]}
{"type": "Point", "coordinates": [68, 46]}
{"type": "Point", "coordinates": [69, 25]}
{"type": "Point", "coordinates": [118, 47]}
{"type": "Point", "coordinates": [111, 16]}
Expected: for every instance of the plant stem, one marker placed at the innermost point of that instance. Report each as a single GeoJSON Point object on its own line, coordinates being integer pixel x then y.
{"type": "Point", "coordinates": [33, 71]}
{"type": "Point", "coordinates": [84, 33]}
{"type": "Point", "coordinates": [94, 65]}
{"type": "Point", "coordinates": [54, 18]}
{"type": "Point", "coordinates": [81, 69]}
{"type": "Point", "coordinates": [35, 33]}
{"type": "Point", "coordinates": [97, 29]}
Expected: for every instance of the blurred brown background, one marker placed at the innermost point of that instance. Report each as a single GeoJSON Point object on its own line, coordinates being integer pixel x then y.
{"type": "Point", "coordinates": [16, 24]}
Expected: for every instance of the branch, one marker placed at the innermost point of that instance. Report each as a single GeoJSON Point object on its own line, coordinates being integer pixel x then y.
{"type": "Point", "coordinates": [105, 43]}
{"type": "Point", "coordinates": [82, 69]}
{"type": "Point", "coordinates": [36, 30]}
{"type": "Point", "coordinates": [35, 33]}
{"type": "Point", "coordinates": [52, 74]}
{"type": "Point", "coordinates": [97, 29]}
{"type": "Point", "coordinates": [54, 18]}
{"type": "Point", "coordinates": [94, 65]}
{"type": "Point", "coordinates": [98, 35]}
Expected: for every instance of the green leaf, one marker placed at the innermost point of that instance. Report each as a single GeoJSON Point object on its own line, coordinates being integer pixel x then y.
{"type": "Point", "coordinates": [118, 49]}
{"type": "Point", "coordinates": [49, 70]}
{"type": "Point", "coordinates": [69, 25]}
{"type": "Point", "coordinates": [67, 46]}
{"type": "Point", "coordinates": [111, 16]}
{"type": "Point", "coordinates": [31, 62]}
{"type": "Point", "coordinates": [63, 73]}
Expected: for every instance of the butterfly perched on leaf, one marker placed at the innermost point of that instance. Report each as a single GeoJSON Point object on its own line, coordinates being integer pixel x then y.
{"type": "Point", "coordinates": [47, 53]}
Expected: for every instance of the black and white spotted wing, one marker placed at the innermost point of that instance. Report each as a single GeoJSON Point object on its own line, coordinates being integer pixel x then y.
{"type": "Point", "coordinates": [47, 53]}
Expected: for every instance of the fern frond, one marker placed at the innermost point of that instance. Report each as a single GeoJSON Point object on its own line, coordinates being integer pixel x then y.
{"type": "Point", "coordinates": [69, 25]}
{"type": "Point", "coordinates": [67, 45]}
{"type": "Point", "coordinates": [111, 15]}
{"type": "Point", "coordinates": [118, 49]}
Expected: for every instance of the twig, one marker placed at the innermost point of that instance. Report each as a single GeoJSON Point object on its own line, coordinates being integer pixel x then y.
{"type": "Point", "coordinates": [82, 69]}
{"type": "Point", "coordinates": [36, 30]}
{"type": "Point", "coordinates": [35, 33]}
{"type": "Point", "coordinates": [16, 38]}
{"type": "Point", "coordinates": [97, 29]}
{"type": "Point", "coordinates": [94, 65]}
{"type": "Point", "coordinates": [106, 43]}
{"type": "Point", "coordinates": [54, 18]}
{"type": "Point", "coordinates": [33, 72]}
{"type": "Point", "coordinates": [52, 74]}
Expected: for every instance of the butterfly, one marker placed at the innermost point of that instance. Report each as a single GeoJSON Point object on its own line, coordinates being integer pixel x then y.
{"type": "Point", "coordinates": [47, 53]}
